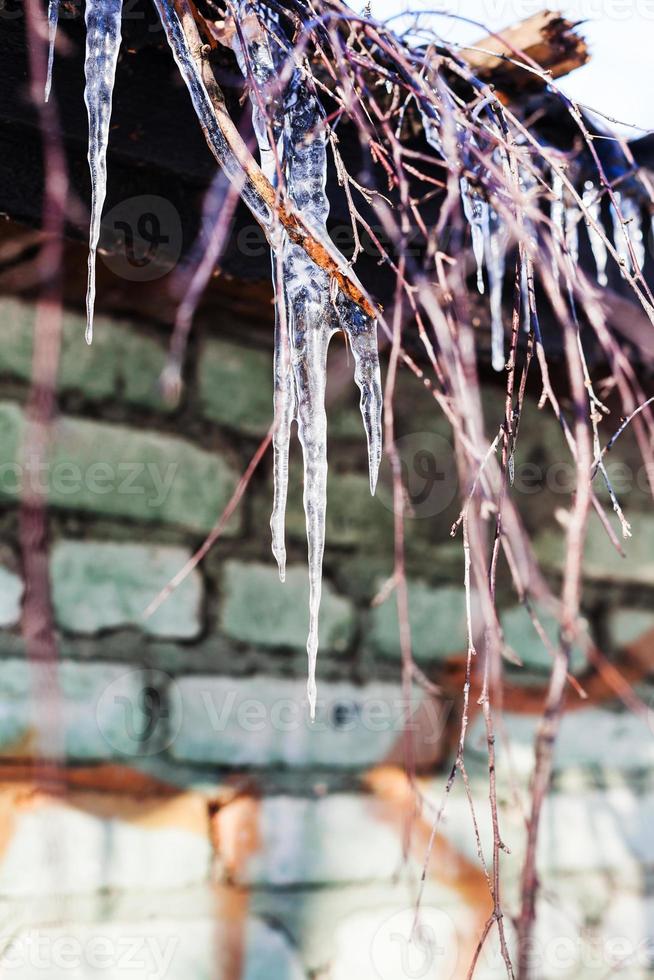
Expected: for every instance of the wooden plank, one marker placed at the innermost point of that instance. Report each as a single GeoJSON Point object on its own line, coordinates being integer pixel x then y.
{"type": "Point", "coordinates": [547, 38]}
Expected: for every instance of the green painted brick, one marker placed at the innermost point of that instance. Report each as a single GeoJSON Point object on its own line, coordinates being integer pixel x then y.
{"type": "Point", "coordinates": [236, 386]}
{"type": "Point", "coordinates": [259, 609]}
{"type": "Point", "coordinates": [11, 433]}
{"type": "Point", "coordinates": [120, 364]}
{"type": "Point", "coordinates": [354, 516]}
{"type": "Point", "coordinates": [98, 585]}
{"type": "Point", "coordinates": [103, 710]}
{"type": "Point", "coordinates": [114, 471]}
{"type": "Point", "coordinates": [628, 625]}
{"type": "Point", "coordinates": [11, 595]}
{"type": "Point", "coordinates": [437, 618]}
{"type": "Point", "coordinates": [601, 560]}
{"type": "Point", "coordinates": [521, 636]}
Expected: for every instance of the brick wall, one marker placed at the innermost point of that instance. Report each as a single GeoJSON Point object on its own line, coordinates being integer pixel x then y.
{"type": "Point", "coordinates": [203, 817]}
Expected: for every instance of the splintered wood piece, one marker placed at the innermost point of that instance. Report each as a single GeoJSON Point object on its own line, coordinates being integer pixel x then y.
{"type": "Point", "coordinates": [546, 38]}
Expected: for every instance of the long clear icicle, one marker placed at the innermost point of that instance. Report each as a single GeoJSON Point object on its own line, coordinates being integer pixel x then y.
{"type": "Point", "coordinates": [102, 46]}
{"type": "Point", "coordinates": [53, 20]}
{"type": "Point", "coordinates": [307, 313]}
{"type": "Point", "coordinates": [476, 212]}
{"type": "Point", "coordinates": [591, 203]}
{"type": "Point", "coordinates": [496, 240]}
{"type": "Point", "coordinates": [524, 294]}
{"type": "Point", "coordinates": [572, 218]}
{"type": "Point", "coordinates": [557, 216]}
{"type": "Point", "coordinates": [265, 62]}
{"type": "Point", "coordinates": [565, 222]}
{"type": "Point", "coordinates": [311, 323]}
{"type": "Point", "coordinates": [489, 243]}
{"type": "Point", "coordinates": [528, 183]}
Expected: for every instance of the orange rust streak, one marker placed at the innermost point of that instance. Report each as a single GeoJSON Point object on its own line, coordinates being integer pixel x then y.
{"type": "Point", "coordinates": [105, 778]}
{"type": "Point", "coordinates": [232, 909]}
{"type": "Point", "coordinates": [448, 866]}
{"type": "Point", "coordinates": [236, 834]}
{"type": "Point", "coordinates": [603, 682]}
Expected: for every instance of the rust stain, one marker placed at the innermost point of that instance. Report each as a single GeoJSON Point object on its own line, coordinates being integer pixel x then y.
{"type": "Point", "coordinates": [230, 818]}
{"type": "Point", "coordinates": [603, 682]}
{"type": "Point", "coordinates": [391, 786]}
{"type": "Point", "coordinates": [236, 834]}
{"type": "Point", "coordinates": [232, 911]}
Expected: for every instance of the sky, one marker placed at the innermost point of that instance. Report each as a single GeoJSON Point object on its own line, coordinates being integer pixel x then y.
{"type": "Point", "coordinates": [618, 79]}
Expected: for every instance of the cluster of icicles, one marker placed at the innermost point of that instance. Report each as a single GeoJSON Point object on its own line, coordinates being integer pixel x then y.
{"type": "Point", "coordinates": [291, 130]}
{"type": "Point", "coordinates": [490, 241]}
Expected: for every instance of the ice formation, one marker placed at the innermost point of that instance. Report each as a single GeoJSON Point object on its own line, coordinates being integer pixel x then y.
{"type": "Point", "coordinates": [591, 202]}
{"type": "Point", "coordinates": [489, 243]}
{"type": "Point", "coordinates": [291, 130]}
{"type": "Point", "coordinates": [292, 134]}
{"type": "Point", "coordinates": [565, 219]}
{"type": "Point", "coordinates": [290, 126]}
{"type": "Point", "coordinates": [53, 19]}
{"type": "Point", "coordinates": [530, 246]}
{"type": "Point", "coordinates": [572, 217]}
{"type": "Point", "coordinates": [557, 216]}
{"type": "Point", "coordinates": [102, 46]}
{"type": "Point", "coordinates": [496, 265]}
{"type": "Point", "coordinates": [524, 295]}
{"type": "Point", "coordinates": [476, 211]}
{"type": "Point", "coordinates": [632, 231]}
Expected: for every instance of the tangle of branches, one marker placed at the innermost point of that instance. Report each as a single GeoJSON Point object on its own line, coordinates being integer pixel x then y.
{"type": "Point", "coordinates": [466, 167]}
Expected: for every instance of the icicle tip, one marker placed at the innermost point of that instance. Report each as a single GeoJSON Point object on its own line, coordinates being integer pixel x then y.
{"type": "Point", "coordinates": [312, 694]}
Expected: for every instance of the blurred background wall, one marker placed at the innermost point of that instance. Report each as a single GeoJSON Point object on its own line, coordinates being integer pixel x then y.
{"type": "Point", "coordinates": [199, 823]}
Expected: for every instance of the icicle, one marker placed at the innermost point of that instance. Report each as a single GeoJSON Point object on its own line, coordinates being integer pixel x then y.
{"type": "Point", "coordinates": [557, 216]}
{"type": "Point", "coordinates": [572, 234]}
{"type": "Point", "coordinates": [285, 410]}
{"type": "Point", "coordinates": [476, 211]}
{"type": "Point", "coordinates": [524, 295]}
{"type": "Point", "coordinates": [528, 183]}
{"type": "Point", "coordinates": [496, 265]}
{"type": "Point", "coordinates": [361, 332]}
{"type": "Point", "coordinates": [204, 111]}
{"type": "Point", "coordinates": [312, 322]}
{"type": "Point", "coordinates": [267, 120]}
{"type": "Point", "coordinates": [53, 18]}
{"type": "Point", "coordinates": [632, 231]}
{"type": "Point", "coordinates": [489, 244]}
{"type": "Point", "coordinates": [591, 202]}
{"type": "Point", "coordinates": [431, 127]}
{"type": "Point", "coordinates": [102, 46]}
{"type": "Point", "coordinates": [307, 313]}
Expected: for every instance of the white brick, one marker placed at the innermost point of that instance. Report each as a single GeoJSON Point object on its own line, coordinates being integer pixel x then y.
{"type": "Point", "coordinates": [57, 848]}
{"type": "Point", "coordinates": [264, 721]}
{"type": "Point", "coordinates": [338, 838]}
{"type": "Point", "coordinates": [589, 738]}
{"type": "Point", "coordinates": [100, 708]}
{"type": "Point", "coordinates": [175, 949]}
{"type": "Point", "coordinates": [11, 595]}
{"type": "Point", "coordinates": [581, 832]}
